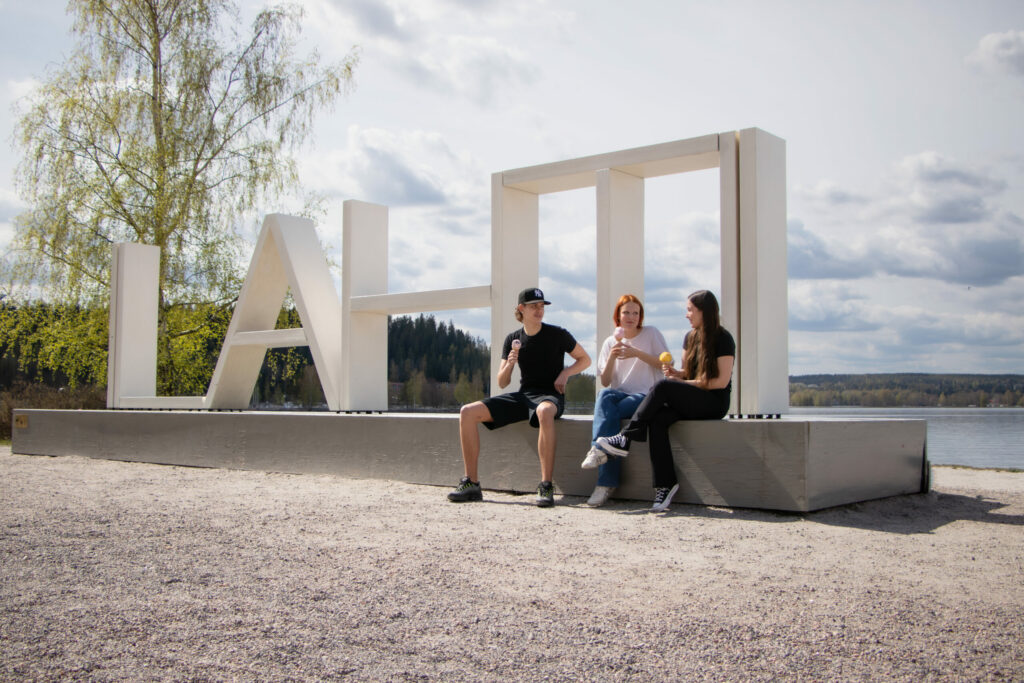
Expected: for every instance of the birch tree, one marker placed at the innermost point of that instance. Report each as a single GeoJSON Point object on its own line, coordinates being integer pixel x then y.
{"type": "Point", "coordinates": [166, 124]}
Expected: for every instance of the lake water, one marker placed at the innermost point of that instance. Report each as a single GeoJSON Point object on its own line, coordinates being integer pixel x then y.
{"type": "Point", "coordinates": [976, 437]}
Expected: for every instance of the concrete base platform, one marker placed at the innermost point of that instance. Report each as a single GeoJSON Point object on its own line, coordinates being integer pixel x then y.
{"type": "Point", "coordinates": [789, 464]}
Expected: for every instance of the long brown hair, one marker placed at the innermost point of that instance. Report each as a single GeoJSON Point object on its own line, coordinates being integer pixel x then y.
{"type": "Point", "coordinates": [628, 299]}
{"type": "Point", "coordinates": [699, 361]}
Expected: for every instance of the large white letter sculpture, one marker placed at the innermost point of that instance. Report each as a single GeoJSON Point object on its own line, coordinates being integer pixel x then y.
{"type": "Point", "coordinates": [287, 255]}
{"type": "Point", "coordinates": [752, 171]}
{"type": "Point", "coordinates": [348, 338]}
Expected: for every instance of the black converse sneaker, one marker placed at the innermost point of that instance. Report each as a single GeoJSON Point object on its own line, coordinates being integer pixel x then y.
{"type": "Point", "coordinates": [466, 491]}
{"type": "Point", "coordinates": [614, 445]}
{"type": "Point", "coordinates": [545, 494]}
{"type": "Point", "coordinates": [663, 498]}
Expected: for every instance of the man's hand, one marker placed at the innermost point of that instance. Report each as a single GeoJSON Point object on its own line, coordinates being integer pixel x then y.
{"type": "Point", "coordinates": [561, 381]}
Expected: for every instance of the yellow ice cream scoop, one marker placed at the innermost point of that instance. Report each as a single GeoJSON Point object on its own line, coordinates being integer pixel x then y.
{"type": "Point", "coordinates": [665, 357]}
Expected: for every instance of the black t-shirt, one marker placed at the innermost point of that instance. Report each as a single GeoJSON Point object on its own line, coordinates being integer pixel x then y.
{"type": "Point", "coordinates": [541, 357]}
{"type": "Point", "coordinates": [725, 345]}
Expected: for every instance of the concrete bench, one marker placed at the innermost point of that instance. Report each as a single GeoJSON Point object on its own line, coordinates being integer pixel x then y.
{"type": "Point", "coordinates": [793, 464]}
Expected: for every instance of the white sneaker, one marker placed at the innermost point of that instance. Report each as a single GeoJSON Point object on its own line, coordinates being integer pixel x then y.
{"type": "Point", "coordinates": [663, 498]}
{"type": "Point", "coordinates": [594, 459]}
{"type": "Point", "coordinates": [600, 496]}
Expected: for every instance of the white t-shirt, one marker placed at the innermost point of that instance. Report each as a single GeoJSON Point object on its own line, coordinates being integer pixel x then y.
{"type": "Point", "coordinates": [632, 375]}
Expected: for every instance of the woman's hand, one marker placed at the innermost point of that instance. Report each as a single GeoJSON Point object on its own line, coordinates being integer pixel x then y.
{"type": "Point", "coordinates": [623, 350]}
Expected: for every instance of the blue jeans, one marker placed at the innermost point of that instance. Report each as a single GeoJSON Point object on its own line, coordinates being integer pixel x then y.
{"type": "Point", "coordinates": [612, 407]}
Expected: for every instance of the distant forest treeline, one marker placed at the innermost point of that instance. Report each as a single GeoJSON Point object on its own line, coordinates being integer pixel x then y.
{"type": "Point", "coordinates": [433, 364]}
{"type": "Point", "coordinates": [907, 389]}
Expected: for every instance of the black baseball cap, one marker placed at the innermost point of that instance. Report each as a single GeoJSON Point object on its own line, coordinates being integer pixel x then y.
{"type": "Point", "coordinates": [532, 295]}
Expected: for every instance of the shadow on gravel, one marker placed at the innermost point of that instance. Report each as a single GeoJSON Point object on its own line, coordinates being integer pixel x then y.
{"type": "Point", "coordinates": [918, 513]}
{"type": "Point", "coordinates": [909, 514]}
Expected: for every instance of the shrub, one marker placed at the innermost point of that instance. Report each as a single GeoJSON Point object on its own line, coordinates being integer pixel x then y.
{"type": "Point", "coordinates": [35, 395]}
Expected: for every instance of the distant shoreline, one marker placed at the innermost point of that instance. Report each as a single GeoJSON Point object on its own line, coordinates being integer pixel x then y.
{"type": "Point", "coordinates": [1010, 470]}
{"type": "Point", "coordinates": [907, 390]}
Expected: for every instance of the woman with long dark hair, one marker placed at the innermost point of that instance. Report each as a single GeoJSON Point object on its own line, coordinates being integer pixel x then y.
{"type": "Point", "coordinates": [701, 390]}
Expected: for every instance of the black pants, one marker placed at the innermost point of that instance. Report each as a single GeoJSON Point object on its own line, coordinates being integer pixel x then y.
{"type": "Point", "coordinates": [668, 402]}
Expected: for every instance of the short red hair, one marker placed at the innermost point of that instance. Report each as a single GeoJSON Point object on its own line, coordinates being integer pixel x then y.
{"type": "Point", "coordinates": [628, 299]}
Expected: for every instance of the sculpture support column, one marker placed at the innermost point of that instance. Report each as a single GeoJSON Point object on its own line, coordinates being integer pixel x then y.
{"type": "Point", "coordinates": [763, 305]}
{"type": "Point", "coordinates": [364, 335]}
{"type": "Point", "coordinates": [134, 299]}
{"type": "Point", "coordinates": [515, 255]}
{"type": "Point", "coordinates": [620, 245]}
{"type": "Point", "coordinates": [729, 246]}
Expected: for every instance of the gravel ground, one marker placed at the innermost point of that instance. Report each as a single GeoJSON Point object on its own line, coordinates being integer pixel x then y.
{"type": "Point", "coordinates": [115, 571]}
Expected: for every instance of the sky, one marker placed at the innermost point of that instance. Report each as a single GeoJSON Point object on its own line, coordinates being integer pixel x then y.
{"type": "Point", "coordinates": [904, 143]}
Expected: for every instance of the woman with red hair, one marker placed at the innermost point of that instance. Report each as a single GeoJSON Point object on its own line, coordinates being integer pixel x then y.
{"type": "Point", "coordinates": [628, 366]}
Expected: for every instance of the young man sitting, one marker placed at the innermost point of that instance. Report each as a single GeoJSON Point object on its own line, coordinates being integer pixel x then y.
{"type": "Point", "coordinates": [540, 350]}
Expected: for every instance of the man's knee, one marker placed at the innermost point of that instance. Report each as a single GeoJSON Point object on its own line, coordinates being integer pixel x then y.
{"type": "Point", "coordinates": [546, 412]}
{"type": "Point", "coordinates": [474, 412]}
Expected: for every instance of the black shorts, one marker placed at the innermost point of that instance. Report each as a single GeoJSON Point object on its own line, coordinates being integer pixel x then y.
{"type": "Point", "coordinates": [518, 406]}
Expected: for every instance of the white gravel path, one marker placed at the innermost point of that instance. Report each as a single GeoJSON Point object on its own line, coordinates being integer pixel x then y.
{"type": "Point", "coordinates": [127, 571]}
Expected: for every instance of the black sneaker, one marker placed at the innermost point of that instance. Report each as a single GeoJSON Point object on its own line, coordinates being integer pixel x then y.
{"type": "Point", "coordinates": [545, 494]}
{"type": "Point", "coordinates": [663, 498]}
{"type": "Point", "coordinates": [614, 445]}
{"type": "Point", "coordinates": [466, 491]}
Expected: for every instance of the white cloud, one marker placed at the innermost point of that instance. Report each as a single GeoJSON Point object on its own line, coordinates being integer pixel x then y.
{"type": "Point", "coordinates": [813, 256]}
{"type": "Point", "coordinates": [828, 193]}
{"type": "Point", "coordinates": [6, 235]}
{"type": "Point", "coordinates": [933, 189]}
{"type": "Point", "coordinates": [1000, 52]}
{"type": "Point", "coordinates": [934, 219]}
{"type": "Point", "coordinates": [475, 68]}
{"type": "Point", "coordinates": [396, 168]}
{"type": "Point", "coordinates": [10, 205]}
{"type": "Point", "coordinates": [920, 273]}
{"type": "Point", "coordinates": [437, 197]}
{"type": "Point", "coordinates": [829, 307]}
{"type": "Point", "coordinates": [473, 53]}
{"type": "Point", "coordinates": [18, 89]}
{"type": "Point", "coordinates": [895, 324]}
{"type": "Point", "coordinates": [683, 258]}
{"type": "Point", "coordinates": [376, 18]}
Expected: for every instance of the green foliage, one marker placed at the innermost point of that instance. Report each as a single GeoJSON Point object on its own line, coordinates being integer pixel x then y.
{"type": "Point", "coordinates": [165, 126]}
{"type": "Point", "coordinates": [467, 391]}
{"type": "Point", "coordinates": [65, 345]}
{"type": "Point", "coordinates": [440, 351]}
{"type": "Point", "coordinates": [435, 365]}
{"type": "Point", "coordinates": [580, 389]}
{"type": "Point", "coordinates": [186, 360]}
{"type": "Point", "coordinates": [414, 389]}
{"type": "Point", "coordinates": [906, 389]}
{"type": "Point", "coordinates": [60, 344]}
{"type": "Point", "coordinates": [288, 375]}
